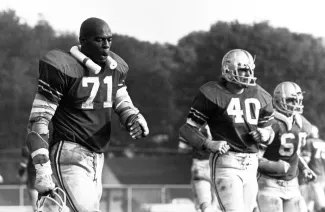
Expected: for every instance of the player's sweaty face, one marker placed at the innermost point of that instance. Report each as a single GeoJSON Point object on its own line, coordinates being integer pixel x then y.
{"type": "Point", "coordinates": [99, 43]}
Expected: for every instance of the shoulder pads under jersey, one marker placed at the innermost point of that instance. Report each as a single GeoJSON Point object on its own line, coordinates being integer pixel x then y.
{"type": "Point", "coordinates": [211, 90]}
{"type": "Point", "coordinates": [122, 66]}
{"type": "Point", "coordinates": [64, 62]}
{"type": "Point", "coordinates": [306, 126]}
{"type": "Point", "coordinates": [286, 121]}
{"type": "Point", "coordinates": [264, 96]}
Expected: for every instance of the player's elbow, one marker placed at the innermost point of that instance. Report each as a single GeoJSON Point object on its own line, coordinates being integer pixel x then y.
{"type": "Point", "coordinates": [192, 135]}
{"type": "Point", "coordinates": [183, 131]}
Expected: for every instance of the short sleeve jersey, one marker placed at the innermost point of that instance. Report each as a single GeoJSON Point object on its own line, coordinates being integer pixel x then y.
{"type": "Point", "coordinates": [84, 99]}
{"type": "Point", "coordinates": [232, 117]}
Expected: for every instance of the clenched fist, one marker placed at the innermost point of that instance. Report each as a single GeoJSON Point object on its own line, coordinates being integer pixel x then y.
{"type": "Point", "coordinates": [137, 126]}
{"type": "Point", "coordinates": [220, 147]}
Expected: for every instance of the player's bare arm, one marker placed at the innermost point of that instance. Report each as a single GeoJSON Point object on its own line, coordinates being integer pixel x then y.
{"type": "Point", "coordinates": [308, 174]}
{"type": "Point", "coordinates": [273, 167]}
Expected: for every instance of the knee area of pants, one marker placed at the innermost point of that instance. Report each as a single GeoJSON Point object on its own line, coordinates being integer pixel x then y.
{"type": "Point", "coordinates": [224, 185]}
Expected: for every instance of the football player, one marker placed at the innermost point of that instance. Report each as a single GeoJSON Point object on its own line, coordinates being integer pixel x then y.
{"type": "Point", "coordinates": [77, 91]}
{"type": "Point", "coordinates": [238, 113]}
{"type": "Point", "coordinates": [278, 187]}
{"type": "Point", "coordinates": [316, 149]}
{"type": "Point", "coordinates": [27, 174]}
{"type": "Point", "coordinates": [204, 196]}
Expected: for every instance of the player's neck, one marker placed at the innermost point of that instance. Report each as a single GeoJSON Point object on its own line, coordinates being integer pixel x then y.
{"type": "Point", "coordinates": [235, 88]}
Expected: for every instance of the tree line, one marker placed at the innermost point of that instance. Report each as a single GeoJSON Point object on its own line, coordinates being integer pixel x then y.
{"type": "Point", "coordinates": [163, 78]}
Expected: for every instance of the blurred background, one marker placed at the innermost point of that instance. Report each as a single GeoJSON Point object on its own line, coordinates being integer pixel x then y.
{"type": "Point", "coordinates": [172, 48]}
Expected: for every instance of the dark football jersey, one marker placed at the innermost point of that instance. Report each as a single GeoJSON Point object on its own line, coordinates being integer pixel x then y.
{"type": "Point", "coordinates": [316, 147]}
{"type": "Point", "coordinates": [232, 116]}
{"type": "Point", "coordinates": [286, 146]}
{"type": "Point", "coordinates": [84, 99]}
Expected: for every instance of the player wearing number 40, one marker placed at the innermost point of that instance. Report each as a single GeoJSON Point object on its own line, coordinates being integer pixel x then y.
{"type": "Point", "coordinates": [78, 91]}
{"type": "Point", "coordinates": [281, 162]}
{"type": "Point", "coordinates": [239, 114]}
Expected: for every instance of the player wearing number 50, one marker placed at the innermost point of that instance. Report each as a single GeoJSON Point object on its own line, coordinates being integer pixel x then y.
{"type": "Point", "coordinates": [78, 96]}
{"type": "Point", "coordinates": [239, 114]}
{"type": "Point", "coordinates": [278, 182]}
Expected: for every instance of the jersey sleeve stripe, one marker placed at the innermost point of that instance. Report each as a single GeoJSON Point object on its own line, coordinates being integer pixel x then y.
{"type": "Point", "coordinates": [196, 118]}
{"type": "Point", "coordinates": [194, 123]}
{"type": "Point", "coordinates": [193, 110]}
{"type": "Point", "coordinates": [266, 119]}
{"type": "Point", "coordinates": [42, 86]}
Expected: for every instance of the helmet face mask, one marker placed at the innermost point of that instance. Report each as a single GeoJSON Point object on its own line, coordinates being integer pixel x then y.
{"type": "Point", "coordinates": [288, 98]}
{"type": "Point", "coordinates": [238, 67]}
{"type": "Point", "coordinates": [55, 201]}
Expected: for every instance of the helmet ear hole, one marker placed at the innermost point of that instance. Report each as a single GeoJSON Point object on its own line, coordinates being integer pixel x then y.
{"type": "Point", "coordinates": [227, 73]}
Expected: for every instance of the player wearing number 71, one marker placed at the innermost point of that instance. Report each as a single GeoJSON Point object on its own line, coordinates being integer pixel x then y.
{"type": "Point", "coordinates": [278, 182]}
{"type": "Point", "coordinates": [239, 114]}
{"type": "Point", "coordinates": [78, 91]}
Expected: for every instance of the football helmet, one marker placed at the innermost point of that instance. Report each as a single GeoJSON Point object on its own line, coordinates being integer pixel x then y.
{"type": "Point", "coordinates": [287, 98]}
{"type": "Point", "coordinates": [235, 60]}
{"type": "Point", "coordinates": [55, 201]}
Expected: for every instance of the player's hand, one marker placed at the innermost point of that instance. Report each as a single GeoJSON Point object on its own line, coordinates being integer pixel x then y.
{"type": "Point", "coordinates": [256, 136]}
{"type": "Point", "coordinates": [44, 182]}
{"type": "Point", "coordinates": [309, 175]}
{"type": "Point", "coordinates": [284, 165]}
{"type": "Point", "coordinates": [260, 135]}
{"type": "Point", "coordinates": [220, 147]}
{"type": "Point", "coordinates": [138, 127]}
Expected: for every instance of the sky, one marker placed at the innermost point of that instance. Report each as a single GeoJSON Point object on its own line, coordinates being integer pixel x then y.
{"type": "Point", "coordinates": [166, 21]}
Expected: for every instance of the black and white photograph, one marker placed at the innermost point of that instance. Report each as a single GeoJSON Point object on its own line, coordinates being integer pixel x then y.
{"type": "Point", "coordinates": [162, 106]}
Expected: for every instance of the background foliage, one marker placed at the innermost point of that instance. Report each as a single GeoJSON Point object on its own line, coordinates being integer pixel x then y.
{"type": "Point", "coordinates": [163, 78]}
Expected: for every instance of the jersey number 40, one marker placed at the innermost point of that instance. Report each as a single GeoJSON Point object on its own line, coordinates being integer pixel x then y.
{"type": "Point", "coordinates": [251, 105]}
